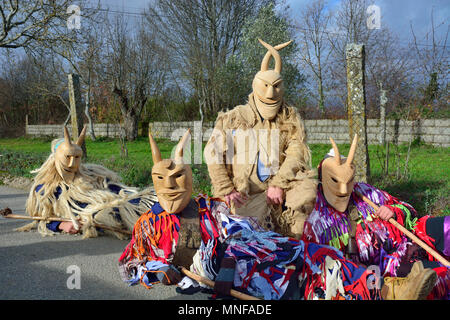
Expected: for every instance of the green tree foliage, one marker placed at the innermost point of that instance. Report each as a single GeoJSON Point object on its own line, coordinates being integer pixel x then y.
{"type": "Point", "coordinates": [237, 74]}
{"type": "Point", "coordinates": [432, 90]}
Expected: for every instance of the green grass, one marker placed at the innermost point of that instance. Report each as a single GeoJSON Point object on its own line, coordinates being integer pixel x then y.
{"type": "Point", "coordinates": [426, 186]}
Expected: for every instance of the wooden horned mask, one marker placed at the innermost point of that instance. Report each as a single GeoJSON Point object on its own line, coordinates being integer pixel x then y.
{"type": "Point", "coordinates": [172, 179]}
{"type": "Point", "coordinates": [267, 84]}
{"type": "Point", "coordinates": [337, 176]}
{"type": "Point", "coordinates": [68, 155]}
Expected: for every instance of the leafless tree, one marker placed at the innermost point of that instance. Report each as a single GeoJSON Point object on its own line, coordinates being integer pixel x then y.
{"type": "Point", "coordinates": [37, 23]}
{"type": "Point", "coordinates": [200, 35]}
{"type": "Point", "coordinates": [44, 30]}
{"type": "Point", "coordinates": [130, 63]}
{"type": "Point", "coordinates": [431, 54]}
{"type": "Point", "coordinates": [28, 91]}
{"type": "Point", "coordinates": [349, 23]}
{"type": "Point", "coordinates": [387, 63]}
{"type": "Point", "coordinates": [312, 25]}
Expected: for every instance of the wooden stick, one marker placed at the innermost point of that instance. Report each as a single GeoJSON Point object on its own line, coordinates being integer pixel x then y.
{"type": "Point", "coordinates": [210, 283]}
{"type": "Point", "coordinates": [412, 236]}
{"type": "Point", "coordinates": [7, 213]}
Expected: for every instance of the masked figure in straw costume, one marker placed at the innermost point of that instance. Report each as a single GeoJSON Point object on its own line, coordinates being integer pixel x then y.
{"type": "Point", "coordinates": [345, 221]}
{"type": "Point", "coordinates": [87, 194]}
{"type": "Point", "coordinates": [202, 235]}
{"type": "Point", "coordinates": [257, 156]}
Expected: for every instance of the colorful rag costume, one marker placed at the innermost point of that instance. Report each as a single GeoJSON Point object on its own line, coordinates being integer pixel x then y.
{"type": "Point", "coordinates": [379, 243]}
{"type": "Point", "coordinates": [434, 231]}
{"type": "Point", "coordinates": [155, 238]}
{"type": "Point", "coordinates": [264, 263]}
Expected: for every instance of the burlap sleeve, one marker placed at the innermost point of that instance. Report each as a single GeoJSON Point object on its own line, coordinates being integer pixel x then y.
{"type": "Point", "coordinates": [297, 155]}
{"type": "Point", "coordinates": [215, 156]}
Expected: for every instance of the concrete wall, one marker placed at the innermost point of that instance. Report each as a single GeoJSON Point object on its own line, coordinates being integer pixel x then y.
{"type": "Point", "coordinates": [56, 130]}
{"type": "Point", "coordinates": [435, 132]}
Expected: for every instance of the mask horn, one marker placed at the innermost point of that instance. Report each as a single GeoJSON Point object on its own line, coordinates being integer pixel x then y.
{"type": "Point", "coordinates": [180, 146]}
{"type": "Point", "coordinates": [274, 54]}
{"type": "Point", "coordinates": [266, 59]}
{"type": "Point", "coordinates": [156, 153]}
{"type": "Point", "coordinates": [67, 136]}
{"type": "Point", "coordinates": [337, 155]}
{"type": "Point", "coordinates": [351, 153]}
{"type": "Point", "coordinates": [81, 137]}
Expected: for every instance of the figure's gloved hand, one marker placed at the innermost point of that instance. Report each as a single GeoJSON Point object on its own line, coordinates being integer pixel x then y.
{"type": "Point", "coordinates": [169, 275]}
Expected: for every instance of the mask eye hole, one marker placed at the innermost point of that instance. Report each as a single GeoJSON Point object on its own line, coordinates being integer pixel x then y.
{"type": "Point", "coordinates": [178, 175]}
{"type": "Point", "coordinates": [160, 177]}
{"type": "Point", "coordinates": [334, 179]}
{"type": "Point", "coordinates": [266, 85]}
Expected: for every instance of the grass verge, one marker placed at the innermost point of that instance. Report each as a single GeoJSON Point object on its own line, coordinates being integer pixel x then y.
{"type": "Point", "coordinates": [425, 183]}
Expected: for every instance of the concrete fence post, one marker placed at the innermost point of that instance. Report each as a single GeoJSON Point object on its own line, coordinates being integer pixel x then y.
{"type": "Point", "coordinates": [356, 104]}
{"type": "Point", "coordinates": [76, 108]}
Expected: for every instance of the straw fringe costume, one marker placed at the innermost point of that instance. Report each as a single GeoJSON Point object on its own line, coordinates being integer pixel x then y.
{"type": "Point", "coordinates": [95, 195]}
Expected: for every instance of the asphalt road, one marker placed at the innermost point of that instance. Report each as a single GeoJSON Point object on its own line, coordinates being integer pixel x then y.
{"type": "Point", "coordinates": [33, 267]}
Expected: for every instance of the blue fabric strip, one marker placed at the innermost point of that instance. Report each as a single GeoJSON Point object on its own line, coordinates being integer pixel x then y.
{"type": "Point", "coordinates": [156, 208]}
{"type": "Point", "coordinates": [57, 144]}
{"type": "Point", "coordinates": [225, 274]}
{"type": "Point", "coordinates": [262, 171]}
{"type": "Point", "coordinates": [54, 226]}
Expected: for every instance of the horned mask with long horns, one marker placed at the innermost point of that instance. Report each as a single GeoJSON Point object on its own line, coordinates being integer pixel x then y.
{"type": "Point", "coordinates": [337, 176]}
{"type": "Point", "coordinates": [172, 179]}
{"type": "Point", "coordinates": [267, 84]}
{"type": "Point", "coordinates": [68, 155]}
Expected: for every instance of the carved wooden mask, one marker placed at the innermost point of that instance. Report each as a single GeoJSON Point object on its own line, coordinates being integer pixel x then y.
{"type": "Point", "coordinates": [68, 156]}
{"type": "Point", "coordinates": [337, 177]}
{"type": "Point", "coordinates": [172, 179]}
{"type": "Point", "coordinates": [267, 84]}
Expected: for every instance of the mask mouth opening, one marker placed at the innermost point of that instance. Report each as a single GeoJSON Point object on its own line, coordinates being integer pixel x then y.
{"type": "Point", "coordinates": [343, 196]}
{"type": "Point", "coordinates": [172, 195]}
{"type": "Point", "coordinates": [272, 104]}
{"type": "Point", "coordinates": [268, 102]}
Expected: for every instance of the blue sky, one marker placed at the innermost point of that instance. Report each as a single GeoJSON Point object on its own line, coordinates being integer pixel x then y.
{"type": "Point", "coordinates": [396, 14]}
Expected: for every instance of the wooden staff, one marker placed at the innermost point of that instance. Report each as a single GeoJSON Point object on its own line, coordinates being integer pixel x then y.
{"type": "Point", "coordinates": [413, 237]}
{"type": "Point", "coordinates": [7, 213]}
{"type": "Point", "coordinates": [210, 283]}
